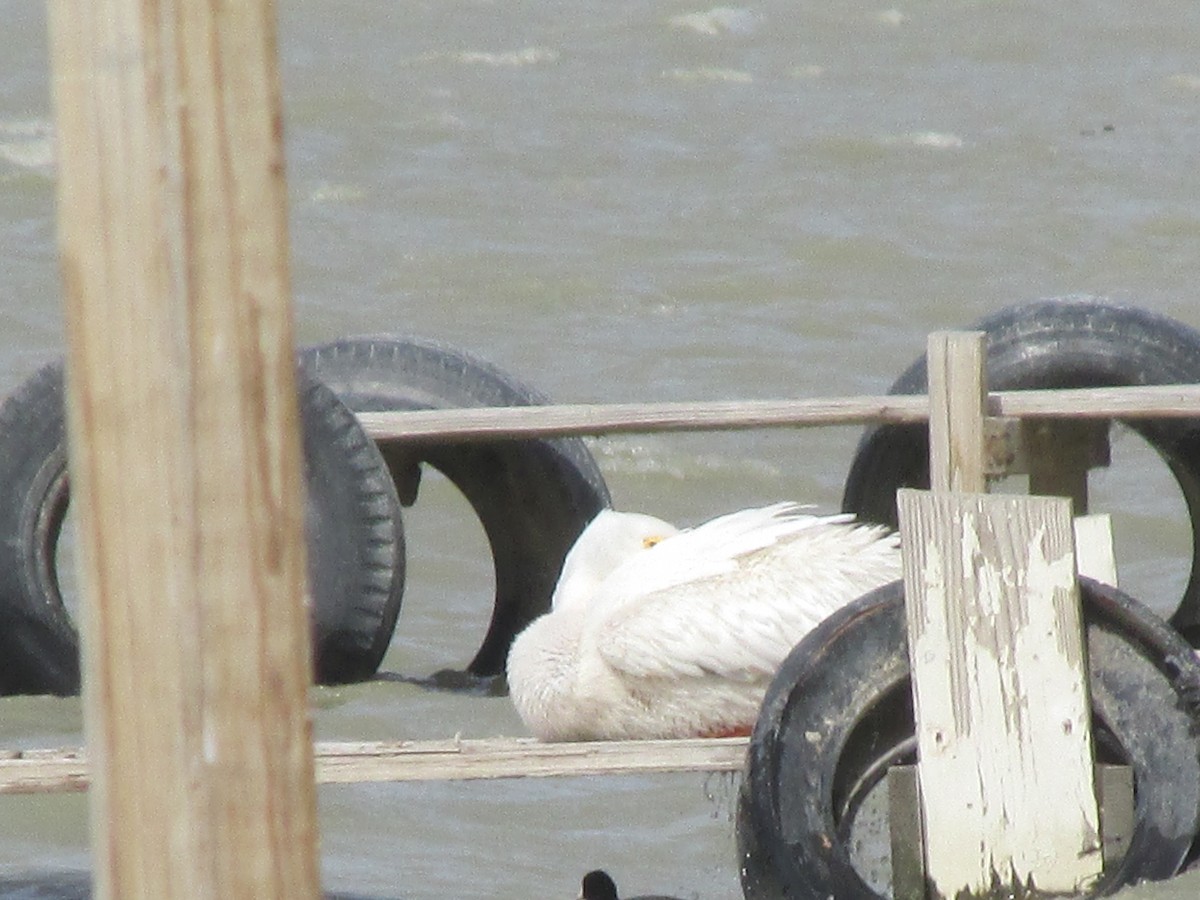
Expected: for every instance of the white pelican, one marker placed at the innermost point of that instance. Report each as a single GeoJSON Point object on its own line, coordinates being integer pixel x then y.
{"type": "Point", "coordinates": [655, 632]}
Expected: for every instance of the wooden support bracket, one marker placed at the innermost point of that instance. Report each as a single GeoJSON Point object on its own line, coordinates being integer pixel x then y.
{"type": "Point", "coordinates": [1059, 453]}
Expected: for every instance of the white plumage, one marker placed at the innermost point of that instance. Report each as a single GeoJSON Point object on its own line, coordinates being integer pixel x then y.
{"type": "Point", "coordinates": [655, 632]}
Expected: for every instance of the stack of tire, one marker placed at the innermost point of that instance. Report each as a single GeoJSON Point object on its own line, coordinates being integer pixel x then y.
{"type": "Point", "coordinates": [533, 497]}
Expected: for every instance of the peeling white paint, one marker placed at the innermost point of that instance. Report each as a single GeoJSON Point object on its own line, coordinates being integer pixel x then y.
{"type": "Point", "coordinates": [1001, 699]}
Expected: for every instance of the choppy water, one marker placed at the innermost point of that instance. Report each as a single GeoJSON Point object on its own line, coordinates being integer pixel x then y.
{"type": "Point", "coordinates": [658, 200]}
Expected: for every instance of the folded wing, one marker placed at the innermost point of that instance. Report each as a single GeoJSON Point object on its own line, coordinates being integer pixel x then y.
{"type": "Point", "coordinates": [733, 596]}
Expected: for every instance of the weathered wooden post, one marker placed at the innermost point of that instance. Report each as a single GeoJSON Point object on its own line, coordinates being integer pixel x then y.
{"type": "Point", "coordinates": [185, 454]}
{"type": "Point", "coordinates": [999, 675]}
{"type": "Point", "coordinates": [1004, 729]}
{"type": "Point", "coordinates": [957, 396]}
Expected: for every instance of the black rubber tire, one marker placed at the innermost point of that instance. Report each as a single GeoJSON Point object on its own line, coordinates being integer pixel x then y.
{"type": "Point", "coordinates": [355, 545]}
{"type": "Point", "coordinates": [1055, 344]}
{"type": "Point", "coordinates": [355, 539]}
{"type": "Point", "coordinates": [839, 713]}
{"type": "Point", "coordinates": [532, 497]}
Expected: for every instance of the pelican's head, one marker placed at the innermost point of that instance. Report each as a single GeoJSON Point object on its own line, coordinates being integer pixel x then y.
{"type": "Point", "coordinates": [608, 541]}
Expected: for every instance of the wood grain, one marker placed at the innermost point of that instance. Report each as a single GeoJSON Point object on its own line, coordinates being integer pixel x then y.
{"type": "Point", "coordinates": [54, 771]}
{"type": "Point", "coordinates": [1000, 692]}
{"type": "Point", "coordinates": [185, 450]}
{"type": "Point", "coordinates": [564, 420]}
{"type": "Point", "coordinates": [957, 396]}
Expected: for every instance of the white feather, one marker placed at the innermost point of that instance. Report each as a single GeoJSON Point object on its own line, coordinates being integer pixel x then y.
{"type": "Point", "coordinates": [679, 635]}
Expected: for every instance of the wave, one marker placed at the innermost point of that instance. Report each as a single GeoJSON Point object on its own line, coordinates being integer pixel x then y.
{"type": "Point", "coordinates": [649, 456]}
{"type": "Point", "coordinates": [716, 21]}
{"type": "Point", "coordinates": [730, 76]}
{"type": "Point", "coordinates": [528, 56]}
{"type": "Point", "coordinates": [28, 144]}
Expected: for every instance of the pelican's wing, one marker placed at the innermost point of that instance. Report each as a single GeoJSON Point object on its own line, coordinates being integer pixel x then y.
{"type": "Point", "coordinates": [700, 553]}
{"type": "Point", "coordinates": [740, 613]}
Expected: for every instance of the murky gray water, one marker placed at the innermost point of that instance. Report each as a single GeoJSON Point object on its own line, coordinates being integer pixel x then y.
{"type": "Point", "coordinates": [658, 200]}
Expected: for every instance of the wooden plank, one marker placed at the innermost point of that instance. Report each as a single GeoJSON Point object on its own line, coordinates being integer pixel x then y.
{"type": "Point", "coordinates": [54, 771]}
{"type": "Point", "coordinates": [1117, 822]}
{"type": "Point", "coordinates": [566, 420]}
{"type": "Point", "coordinates": [1114, 791]}
{"type": "Point", "coordinates": [904, 831]}
{"type": "Point", "coordinates": [1141, 402]}
{"type": "Point", "coordinates": [44, 771]}
{"type": "Point", "coordinates": [511, 758]}
{"type": "Point", "coordinates": [185, 452]}
{"type": "Point", "coordinates": [1095, 556]}
{"type": "Point", "coordinates": [499, 422]}
{"type": "Point", "coordinates": [996, 646]}
{"type": "Point", "coordinates": [957, 395]}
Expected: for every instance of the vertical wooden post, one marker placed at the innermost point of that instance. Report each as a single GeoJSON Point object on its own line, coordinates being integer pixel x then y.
{"type": "Point", "coordinates": [185, 453]}
{"type": "Point", "coordinates": [957, 397]}
{"type": "Point", "coordinates": [999, 682]}
{"type": "Point", "coordinates": [1095, 555]}
{"type": "Point", "coordinates": [1060, 453]}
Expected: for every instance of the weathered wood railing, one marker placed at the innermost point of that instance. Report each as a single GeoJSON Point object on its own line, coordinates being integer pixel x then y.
{"type": "Point", "coordinates": [492, 423]}
{"type": "Point", "coordinates": [53, 771]}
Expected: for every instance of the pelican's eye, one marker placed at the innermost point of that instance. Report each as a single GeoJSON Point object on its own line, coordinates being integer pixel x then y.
{"type": "Point", "coordinates": [648, 542]}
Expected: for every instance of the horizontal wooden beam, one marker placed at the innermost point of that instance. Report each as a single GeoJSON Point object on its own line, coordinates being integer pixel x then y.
{"type": "Point", "coordinates": [56, 771]}
{"type": "Point", "coordinates": [499, 422]}
{"type": "Point", "coordinates": [503, 422]}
